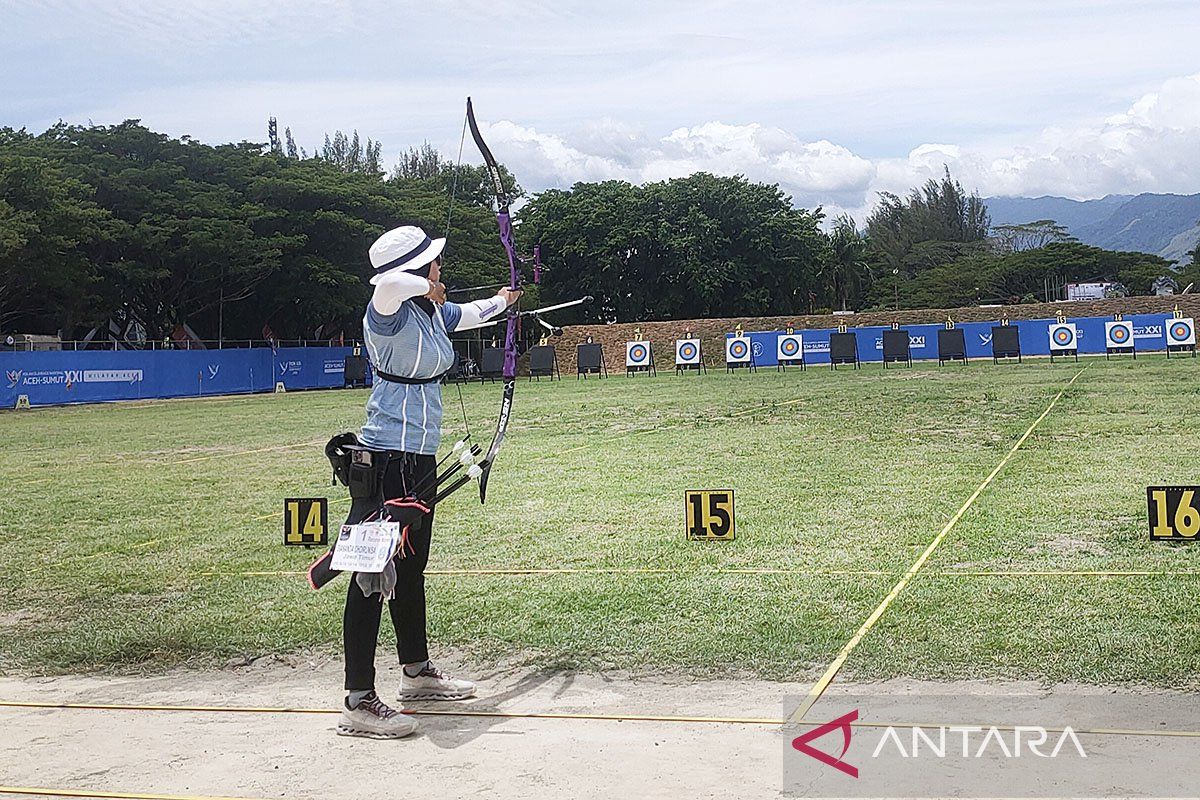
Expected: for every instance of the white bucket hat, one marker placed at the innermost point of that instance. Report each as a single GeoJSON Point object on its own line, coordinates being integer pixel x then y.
{"type": "Point", "coordinates": [405, 248]}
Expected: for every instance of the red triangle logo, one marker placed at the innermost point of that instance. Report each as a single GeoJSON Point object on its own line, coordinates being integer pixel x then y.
{"type": "Point", "coordinates": [842, 723]}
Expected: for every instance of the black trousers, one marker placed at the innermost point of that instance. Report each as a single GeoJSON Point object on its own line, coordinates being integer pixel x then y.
{"type": "Point", "coordinates": [360, 621]}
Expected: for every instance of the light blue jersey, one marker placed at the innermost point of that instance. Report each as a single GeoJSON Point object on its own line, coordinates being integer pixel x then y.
{"type": "Point", "coordinates": [410, 344]}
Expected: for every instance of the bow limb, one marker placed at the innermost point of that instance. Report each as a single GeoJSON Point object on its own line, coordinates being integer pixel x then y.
{"type": "Point", "coordinates": [504, 222]}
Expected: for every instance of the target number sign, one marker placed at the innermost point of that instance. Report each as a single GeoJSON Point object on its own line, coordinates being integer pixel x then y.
{"type": "Point", "coordinates": [708, 514]}
{"type": "Point", "coordinates": [1174, 513]}
{"type": "Point", "coordinates": [637, 354]}
{"type": "Point", "coordinates": [306, 521]}
{"type": "Point", "coordinates": [790, 346]}
{"type": "Point", "coordinates": [687, 351]}
{"type": "Point", "coordinates": [1181, 332]}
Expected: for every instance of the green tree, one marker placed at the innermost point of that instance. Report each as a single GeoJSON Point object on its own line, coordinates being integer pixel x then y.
{"type": "Point", "coordinates": [1195, 256]}
{"type": "Point", "coordinates": [349, 155]}
{"type": "Point", "coordinates": [463, 182]}
{"type": "Point", "coordinates": [701, 246]}
{"type": "Point", "coordinates": [422, 163]}
{"type": "Point", "coordinates": [293, 152]}
{"type": "Point", "coordinates": [940, 211]}
{"type": "Point", "coordinates": [48, 223]}
{"type": "Point", "coordinates": [122, 223]}
{"type": "Point", "coordinates": [1029, 235]}
{"type": "Point", "coordinates": [1014, 277]}
{"type": "Point", "coordinates": [846, 272]}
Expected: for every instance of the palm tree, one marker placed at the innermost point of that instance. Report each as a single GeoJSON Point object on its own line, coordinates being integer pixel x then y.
{"type": "Point", "coordinates": [847, 270]}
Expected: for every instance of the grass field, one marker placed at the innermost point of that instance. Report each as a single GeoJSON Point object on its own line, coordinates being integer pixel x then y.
{"type": "Point", "coordinates": [128, 526]}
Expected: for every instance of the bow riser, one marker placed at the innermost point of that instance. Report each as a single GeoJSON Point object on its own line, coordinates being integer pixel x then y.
{"type": "Point", "coordinates": [510, 334]}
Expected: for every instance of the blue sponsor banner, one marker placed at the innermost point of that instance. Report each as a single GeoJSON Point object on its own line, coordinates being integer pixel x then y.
{"type": "Point", "coordinates": [1149, 333]}
{"type": "Point", "coordinates": [764, 345]}
{"type": "Point", "coordinates": [93, 376]}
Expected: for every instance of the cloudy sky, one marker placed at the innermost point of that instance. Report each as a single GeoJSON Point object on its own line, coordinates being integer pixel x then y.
{"type": "Point", "coordinates": [833, 100]}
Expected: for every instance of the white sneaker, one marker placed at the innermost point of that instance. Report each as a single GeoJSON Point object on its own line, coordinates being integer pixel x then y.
{"type": "Point", "coordinates": [375, 720]}
{"type": "Point", "coordinates": [433, 684]}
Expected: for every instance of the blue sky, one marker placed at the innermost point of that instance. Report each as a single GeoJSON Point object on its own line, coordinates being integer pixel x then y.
{"type": "Point", "coordinates": [835, 101]}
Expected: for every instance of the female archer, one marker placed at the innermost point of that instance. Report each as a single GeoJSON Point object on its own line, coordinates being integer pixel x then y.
{"type": "Point", "coordinates": [406, 330]}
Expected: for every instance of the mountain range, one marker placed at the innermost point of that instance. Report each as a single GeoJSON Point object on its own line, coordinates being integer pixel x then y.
{"type": "Point", "coordinates": [1164, 224]}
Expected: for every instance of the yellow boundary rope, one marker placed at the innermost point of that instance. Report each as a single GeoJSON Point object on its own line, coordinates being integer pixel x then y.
{"type": "Point", "coordinates": [276, 514]}
{"type": "Point", "coordinates": [831, 672]}
{"type": "Point", "coordinates": [674, 425]}
{"type": "Point", "coordinates": [852, 573]}
{"type": "Point", "coordinates": [563, 715]}
{"type": "Point", "coordinates": [769, 406]}
{"type": "Point", "coordinates": [96, 793]}
{"type": "Point", "coordinates": [458, 712]}
{"type": "Point", "coordinates": [236, 453]}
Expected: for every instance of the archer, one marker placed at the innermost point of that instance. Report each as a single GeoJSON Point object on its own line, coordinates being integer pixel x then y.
{"type": "Point", "coordinates": [406, 329]}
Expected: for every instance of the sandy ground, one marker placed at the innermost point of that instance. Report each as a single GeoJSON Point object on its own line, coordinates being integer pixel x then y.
{"type": "Point", "coordinates": [271, 755]}
{"type": "Point", "coordinates": [298, 755]}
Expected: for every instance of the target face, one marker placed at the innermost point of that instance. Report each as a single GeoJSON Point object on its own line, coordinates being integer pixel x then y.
{"type": "Point", "coordinates": [1181, 331]}
{"type": "Point", "coordinates": [637, 354]}
{"type": "Point", "coordinates": [1119, 334]}
{"type": "Point", "coordinates": [1062, 336]}
{"type": "Point", "coordinates": [687, 351]}
{"type": "Point", "coordinates": [737, 349]}
{"type": "Point", "coordinates": [790, 346]}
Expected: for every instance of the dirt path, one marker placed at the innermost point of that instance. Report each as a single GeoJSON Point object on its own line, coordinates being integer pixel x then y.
{"type": "Point", "coordinates": [297, 755]}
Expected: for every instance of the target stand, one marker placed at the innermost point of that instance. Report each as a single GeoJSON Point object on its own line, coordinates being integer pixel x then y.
{"type": "Point", "coordinates": [1006, 342]}
{"type": "Point", "coordinates": [1064, 340]}
{"type": "Point", "coordinates": [789, 351]}
{"type": "Point", "coordinates": [639, 357]}
{"type": "Point", "coordinates": [1181, 335]}
{"type": "Point", "coordinates": [1118, 339]}
{"type": "Point", "coordinates": [952, 345]}
{"type": "Point", "coordinates": [543, 363]}
{"type": "Point", "coordinates": [354, 371]}
{"type": "Point", "coordinates": [456, 373]}
{"type": "Point", "coordinates": [897, 347]}
{"type": "Point", "coordinates": [739, 354]}
{"type": "Point", "coordinates": [589, 360]}
{"type": "Point", "coordinates": [843, 349]}
{"type": "Point", "coordinates": [492, 365]}
{"type": "Point", "coordinates": [689, 356]}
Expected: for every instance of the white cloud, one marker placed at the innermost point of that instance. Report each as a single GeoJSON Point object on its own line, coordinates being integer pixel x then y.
{"type": "Point", "coordinates": [814, 172]}
{"type": "Point", "coordinates": [1153, 146]}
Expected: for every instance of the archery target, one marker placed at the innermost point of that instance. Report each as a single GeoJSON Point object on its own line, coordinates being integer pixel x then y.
{"type": "Point", "coordinates": [790, 346]}
{"type": "Point", "coordinates": [687, 351]}
{"type": "Point", "coordinates": [737, 350]}
{"type": "Point", "coordinates": [637, 354]}
{"type": "Point", "coordinates": [1181, 332]}
{"type": "Point", "coordinates": [1063, 336]}
{"type": "Point", "coordinates": [1118, 334]}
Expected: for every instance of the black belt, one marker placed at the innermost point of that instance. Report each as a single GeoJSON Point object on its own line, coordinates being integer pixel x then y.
{"type": "Point", "coordinates": [411, 381]}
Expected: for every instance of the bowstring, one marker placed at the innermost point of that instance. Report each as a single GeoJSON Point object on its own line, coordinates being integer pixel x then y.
{"type": "Point", "coordinates": [449, 211]}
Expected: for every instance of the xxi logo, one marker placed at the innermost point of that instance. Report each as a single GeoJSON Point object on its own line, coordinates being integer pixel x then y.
{"type": "Point", "coordinates": [801, 743]}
